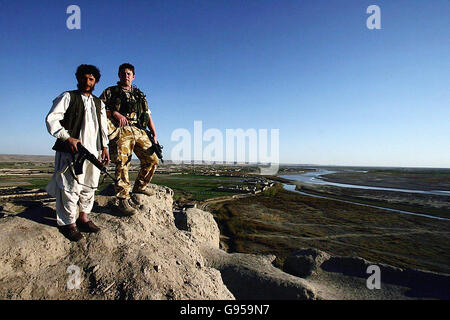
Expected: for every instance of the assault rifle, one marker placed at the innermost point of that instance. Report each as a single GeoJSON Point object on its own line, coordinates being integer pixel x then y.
{"type": "Point", "coordinates": [84, 154]}
{"type": "Point", "coordinates": [156, 147]}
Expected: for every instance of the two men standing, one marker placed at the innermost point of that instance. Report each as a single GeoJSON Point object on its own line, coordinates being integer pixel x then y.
{"type": "Point", "coordinates": [78, 116]}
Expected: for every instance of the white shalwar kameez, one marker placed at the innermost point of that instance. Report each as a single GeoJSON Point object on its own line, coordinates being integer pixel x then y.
{"type": "Point", "coordinates": [71, 194]}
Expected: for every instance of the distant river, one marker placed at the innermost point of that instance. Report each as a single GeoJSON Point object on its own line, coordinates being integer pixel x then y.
{"type": "Point", "coordinates": [313, 177]}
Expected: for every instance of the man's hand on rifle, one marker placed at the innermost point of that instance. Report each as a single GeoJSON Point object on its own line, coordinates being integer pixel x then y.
{"type": "Point", "coordinates": [151, 126]}
{"type": "Point", "coordinates": [105, 156]}
{"type": "Point", "coordinates": [73, 144]}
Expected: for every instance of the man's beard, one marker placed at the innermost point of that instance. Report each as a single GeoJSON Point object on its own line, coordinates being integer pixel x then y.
{"type": "Point", "coordinates": [82, 88]}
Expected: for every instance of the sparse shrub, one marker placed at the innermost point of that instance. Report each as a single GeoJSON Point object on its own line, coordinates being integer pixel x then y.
{"type": "Point", "coordinates": [273, 191]}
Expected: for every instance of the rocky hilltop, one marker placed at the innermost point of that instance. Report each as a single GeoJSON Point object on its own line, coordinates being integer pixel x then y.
{"type": "Point", "coordinates": [159, 254]}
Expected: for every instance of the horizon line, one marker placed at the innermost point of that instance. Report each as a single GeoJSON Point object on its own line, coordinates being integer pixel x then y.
{"type": "Point", "coordinates": [208, 162]}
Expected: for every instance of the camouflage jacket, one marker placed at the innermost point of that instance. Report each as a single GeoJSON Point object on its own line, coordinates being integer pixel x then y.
{"type": "Point", "coordinates": [130, 103]}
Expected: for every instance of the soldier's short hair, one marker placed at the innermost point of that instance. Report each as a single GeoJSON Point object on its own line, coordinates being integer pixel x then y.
{"type": "Point", "coordinates": [88, 69]}
{"type": "Point", "coordinates": [124, 66]}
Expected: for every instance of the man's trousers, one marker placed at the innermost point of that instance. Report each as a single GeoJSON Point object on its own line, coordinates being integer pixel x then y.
{"type": "Point", "coordinates": [67, 204]}
{"type": "Point", "coordinates": [72, 195]}
{"type": "Point", "coordinates": [129, 139]}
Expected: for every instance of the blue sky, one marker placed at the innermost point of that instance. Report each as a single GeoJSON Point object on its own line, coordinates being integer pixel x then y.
{"type": "Point", "coordinates": [339, 93]}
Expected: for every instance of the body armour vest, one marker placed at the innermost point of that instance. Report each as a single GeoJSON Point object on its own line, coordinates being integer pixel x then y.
{"type": "Point", "coordinates": [131, 104]}
{"type": "Point", "coordinates": [73, 119]}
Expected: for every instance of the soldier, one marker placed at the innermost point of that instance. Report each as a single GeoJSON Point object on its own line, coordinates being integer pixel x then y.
{"type": "Point", "coordinates": [77, 116]}
{"type": "Point", "coordinates": [128, 117]}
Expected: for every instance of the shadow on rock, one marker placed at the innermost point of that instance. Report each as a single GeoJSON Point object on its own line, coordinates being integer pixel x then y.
{"type": "Point", "coordinates": [422, 284]}
{"type": "Point", "coordinates": [106, 204]}
{"type": "Point", "coordinates": [35, 211]}
{"type": "Point", "coordinates": [418, 283]}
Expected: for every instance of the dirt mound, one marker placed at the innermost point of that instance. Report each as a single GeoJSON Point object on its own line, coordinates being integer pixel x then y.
{"type": "Point", "coordinates": [159, 254]}
{"type": "Point", "coordinates": [150, 255]}
{"type": "Point", "coordinates": [140, 257]}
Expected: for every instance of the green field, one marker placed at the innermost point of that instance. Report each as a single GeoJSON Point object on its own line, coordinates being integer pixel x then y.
{"type": "Point", "coordinates": [194, 187]}
{"type": "Point", "coordinates": [25, 181]}
{"type": "Point", "coordinates": [187, 187]}
{"type": "Point", "coordinates": [38, 179]}
{"type": "Point", "coordinates": [25, 165]}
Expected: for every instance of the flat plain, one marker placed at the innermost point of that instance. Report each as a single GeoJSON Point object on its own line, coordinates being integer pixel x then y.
{"type": "Point", "coordinates": [279, 222]}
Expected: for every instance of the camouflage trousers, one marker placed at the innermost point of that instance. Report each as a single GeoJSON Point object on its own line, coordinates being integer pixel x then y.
{"type": "Point", "coordinates": [126, 140]}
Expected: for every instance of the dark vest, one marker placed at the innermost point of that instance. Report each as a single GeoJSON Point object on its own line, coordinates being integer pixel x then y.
{"type": "Point", "coordinates": [126, 107]}
{"type": "Point", "coordinates": [73, 119]}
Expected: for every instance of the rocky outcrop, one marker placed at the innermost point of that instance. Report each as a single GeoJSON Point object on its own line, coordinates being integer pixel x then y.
{"type": "Point", "coordinates": [140, 257]}
{"type": "Point", "coordinates": [151, 255]}
{"type": "Point", "coordinates": [159, 254]}
{"type": "Point", "coordinates": [247, 276]}
{"type": "Point", "coordinates": [340, 277]}
{"type": "Point", "coordinates": [303, 262]}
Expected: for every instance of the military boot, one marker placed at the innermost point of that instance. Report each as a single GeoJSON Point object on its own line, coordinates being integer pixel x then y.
{"type": "Point", "coordinates": [146, 191]}
{"type": "Point", "coordinates": [125, 208]}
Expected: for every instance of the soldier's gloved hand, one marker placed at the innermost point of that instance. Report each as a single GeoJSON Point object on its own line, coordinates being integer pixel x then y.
{"type": "Point", "coordinates": [122, 120]}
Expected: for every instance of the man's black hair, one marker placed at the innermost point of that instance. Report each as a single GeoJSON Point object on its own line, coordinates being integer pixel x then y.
{"type": "Point", "coordinates": [126, 66]}
{"type": "Point", "coordinates": [88, 69]}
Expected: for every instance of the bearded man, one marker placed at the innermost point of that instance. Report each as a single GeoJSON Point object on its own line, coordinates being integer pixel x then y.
{"type": "Point", "coordinates": [77, 116]}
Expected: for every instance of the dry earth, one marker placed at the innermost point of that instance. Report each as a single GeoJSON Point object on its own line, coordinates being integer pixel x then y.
{"type": "Point", "coordinates": [159, 254]}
